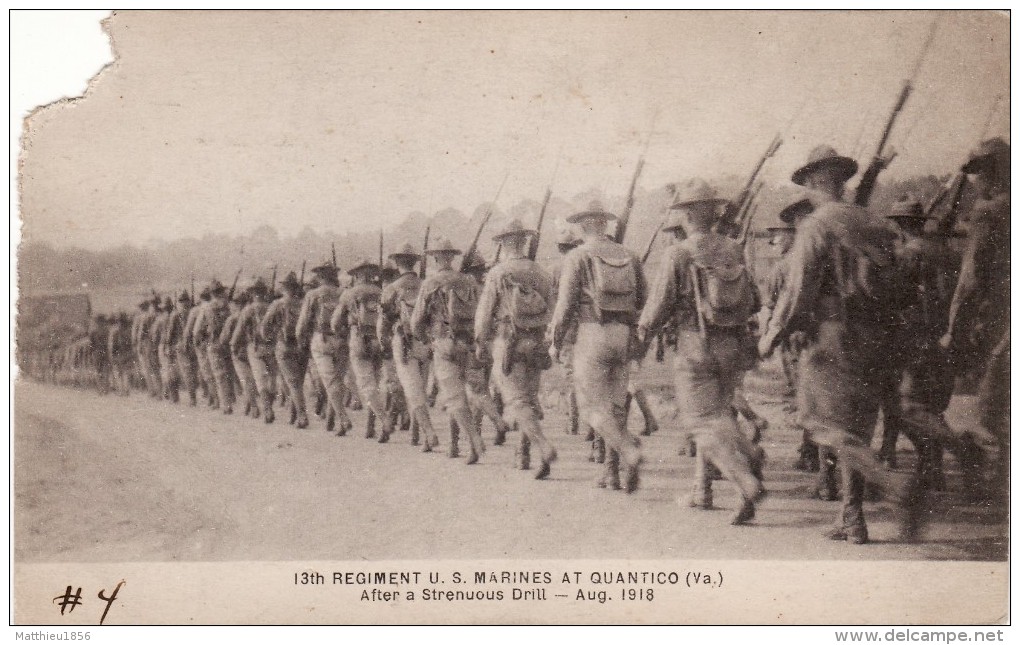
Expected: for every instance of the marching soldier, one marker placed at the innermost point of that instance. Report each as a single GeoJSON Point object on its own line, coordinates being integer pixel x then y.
{"type": "Point", "coordinates": [396, 404]}
{"type": "Point", "coordinates": [201, 346]}
{"type": "Point", "coordinates": [118, 343]}
{"type": "Point", "coordinates": [178, 342]}
{"type": "Point", "coordinates": [247, 339]}
{"type": "Point", "coordinates": [444, 312]}
{"type": "Point", "coordinates": [328, 350]}
{"type": "Point", "coordinates": [165, 351]}
{"type": "Point", "coordinates": [848, 333]}
{"type": "Point", "coordinates": [208, 334]}
{"type": "Point", "coordinates": [239, 357]}
{"type": "Point", "coordinates": [142, 345]}
{"type": "Point", "coordinates": [602, 289]}
{"type": "Point", "coordinates": [355, 318]}
{"type": "Point", "coordinates": [410, 355]}
{"type": "Point", "coordinates": [99, 351]}
{"type": "Point", "coordinates": [703, 283]}
{"type": "Point", "coordinates": [984, 286]}
{"type": "Point", "coordinates": [279, 326]}
{"type": "Point", "coordinates": [566, 241]}
{"type": "Point", "coordinates": [515, 306]}
{"type": "Point", "coordinates": [477, 374]}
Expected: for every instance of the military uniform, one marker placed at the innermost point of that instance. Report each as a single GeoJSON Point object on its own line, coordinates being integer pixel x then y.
{"type": "Point", "coordinates": [603, 347]}
{"type": "Point", "coordinates": [260, 356]}
{"type": "Point", "coordinates": [356, 319]}
{"type": "Point", "coordinates": [208, 334]}
{"type": "Point", "coordinates": [184, 356]}
{"type": "Point", "coordinates": [515, 307]}
{"type": "Point", "coordinates": [166, 352]}
{"type": "Point", "coordinates": [118, 344]}
{"type": "Point", "coordinates": [200, 343]}
{"type": "Point", "coordinates": [713, 351]}
{"type": "Point", "coordinates": [410, 355]}
{"type": "Point", "coordinates": [328, 350]}
{"type": "Point", "coordinates": [239, 356]}
{"type": "Point", "coordinates": [148, 360]}
{"type": "Point", "coordinates": [451, 342]}
{"type": "Point", "coordinates": [279, 326]}
{"type": "Point", "coordinates": [566, 241]}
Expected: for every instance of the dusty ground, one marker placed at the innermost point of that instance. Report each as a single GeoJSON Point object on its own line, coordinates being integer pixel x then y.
{"type": "Point", "coordinates": [132, 479]}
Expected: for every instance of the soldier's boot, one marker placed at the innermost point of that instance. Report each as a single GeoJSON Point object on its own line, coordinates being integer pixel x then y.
{"type": "Point", "coordinates": [651, 424]}
{"type": "Point", "coordinates": [355, 401]}
{"type": "Point", "coordinates": [267, 408]}
{"type": "Point", "coordinates": [850, 524]}
{"type": "Point", "coordinates": [293, 413]}
{"type": "Point", "coordinates": [598, 450]}
{"type": "Point", "coordinates": [424, 423]}
{"type": "Point", "coordinates": [497, 400]}
{"type": "Point", "coordinates": [589, 434]}
{"type": "Point", "coordinates": [302, 419]}
{"type": "Point", "coordinates": [320, 403]}
{"type": "Point", "coordinates": [549, 455]}
{"type": "Point", "coordinates": [827, 489]}
{"type": "Point", "coordinates": [330, 420]}
{"type": "Point", "coordinates": [474, 437]}
{"type": "Point", "coordinates": [630, 461]}
{"type": "Point", "coordinates": [575, 413]}
{"type": "Point", "coordinates": [807, 456]}
{"type": "Point", "coordinates": [386, 428]}
{"type": "Point", "coordinates": [370, 425]}
{"type": "Point", "coordinates": [610, 477]}
{"type": "Point", "coordinates": [192, 399]}
{"type": "Point", "coordinates": [502, 428]}
{"type": "Point", "coordinates": [523, 454]}
{"type": "Point", "coordinates": [454, 450]}
{"type": "Point", "coordinates": [915, 508]}
{"type": "Point", "coordinates": [890, 434]}
{"type": "Point", "coordinates": [255, 411]}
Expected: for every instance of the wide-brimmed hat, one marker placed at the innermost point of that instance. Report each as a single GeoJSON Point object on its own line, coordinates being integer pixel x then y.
{"type": "Point", "coordinates": [365, 265]}
{"type": "Point", "coordinates": [291, 282]}
{"type": "Point", "coordinates": [205, 293]}
{"type": "Point", "coordinates": [567, 236]}
{"type": "Point", "coordinates": [168, 303]}
{"type": "Point", "coordinates": [389, 273]}
{"type": "Point", "coordinates": [907, 208]}
{"type": "Point", "coordinates": [144, 304]}
{"type": "Point", "coordinates": [216, 288]}
{"type": "Point", "coordinates": [407, 251]}
{"type": "Point", "coordinates": [695, 191]}
{"type": "Point", "coordinates": [798, 206]}
{"type": "Point", "coordinates": [513, 228]}
{"type": "Point", "coordinates": [184, 297]}
{"type": "Point", "coordinates": [473, 263]}
{"type": "Point", "coordinates": [595, 210]}
{"type": "Point", "coordinates": [825, 156]}
{"type": "Point", "coordinates": [259, 287]}
{"type": "Point", "coordinates": [444, 245]}
{"type": "Point", "coordinates": [989, 153]}
{"type": "Point", "coordinates": [327, 268]}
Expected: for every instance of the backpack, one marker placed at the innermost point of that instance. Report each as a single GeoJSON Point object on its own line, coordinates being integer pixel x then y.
{"type": "Point", "coordinates": [461, 302]}
{"type": "Point", "coordinates": [869, 279]}
{"type": "Point", "coordinates": [366, 314]}
{"type": "Point", "coordinates": [727, 295]}
{"type": "Point", "coordinates": [526, 307]}
{"type": "Point", "coordinates": [614, 283]}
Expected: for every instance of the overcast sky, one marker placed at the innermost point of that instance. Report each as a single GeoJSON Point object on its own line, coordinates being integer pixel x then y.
{"type": "Point", "coordinates": [222, 122]}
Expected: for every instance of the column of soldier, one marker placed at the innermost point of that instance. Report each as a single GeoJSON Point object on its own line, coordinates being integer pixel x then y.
{"type": "Point", "coordinates": [869, 311]}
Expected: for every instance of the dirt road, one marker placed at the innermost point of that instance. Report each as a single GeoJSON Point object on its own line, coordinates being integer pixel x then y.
{"type": "Point", "coordinates": [133, 479]}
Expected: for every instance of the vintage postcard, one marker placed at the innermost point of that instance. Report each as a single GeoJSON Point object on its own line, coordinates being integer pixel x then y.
{"type": "Point", "coordinates": [566, 317]}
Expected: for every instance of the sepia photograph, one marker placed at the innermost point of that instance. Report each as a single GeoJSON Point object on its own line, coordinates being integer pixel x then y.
{"type": "Point", "coordinates": [517, 317]}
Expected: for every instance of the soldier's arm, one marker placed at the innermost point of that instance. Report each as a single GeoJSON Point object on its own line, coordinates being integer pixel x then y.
{"type": "Point", "coordinates": [240, 336]}
{"type": "Point", "coordinates": [338, 321]}
{"type": "Point", "coordinates": [968, 286]}
{"type": "Point", "coordinates": [568, 297]}
{"type": "Point", "coordinates": [664, 295]}
{"type": "Point", "coordinates": [800, 293]}
{"type": "Point", "coordinates": [487, 303]}
{"type": "Point", "coordinates": [642, 283]}
{"type": "Point", "coordinates": [304, 322]}
{"type": "Point", "coordinates": [267, 328]}
{"type": "Point", "coordinates": [419, 317]}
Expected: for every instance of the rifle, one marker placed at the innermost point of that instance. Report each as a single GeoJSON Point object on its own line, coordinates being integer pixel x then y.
{"type": "Point", "coordinates": [740, 223]}
{"type": "Point", "coordinates": [651, 243]}
{"type": "Point", "coordinates": [302, 279]}
{"type": "Point", "coordinates": [621, 225]}
{"type": "Point", "coordinates": [380, 256]}
{"type": "Point", "coordinates": [193, 288]}
{"type": "Point", "coordinates": [880, 160]}
{"type": "Point", "coordinates": [747, 224]}
{"type": "Point", "coordinates": [533, 249]}
{"type": "Point", "coordinates": [332, 247]}
{"type": "Point", "coordinates": [485, 220]}
{"type": "Point", "coordinates": [272, 283]}
{"type": "Point", "coordinates": [424, 252]}
{"type": "Point", "coordinates": [738, 207]}
{"type": "Point", "coordinates": [499, 251]}
{"type": "Point", "coordinates": [233, 287]}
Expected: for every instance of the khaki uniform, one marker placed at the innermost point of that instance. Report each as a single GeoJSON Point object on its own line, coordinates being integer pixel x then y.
{"type": "Point", "coordinates": [519, 356]}
{"type": "Point", "coordinates": [710, 363]}
{"type": "Point", "coordinates": [261, 360]}
{"type": "Point", "coordinates": [567, 359]}
{"type": "Point", "coordinates": [451, 351]}
{"type": "Point", "coordinates": [279, 326]}
{"type": "Point", "coordinates": [200, 343]}
{"type": "Point", "coordinates": [328, 350]}
{"type": "Point", "coordinates": [118, 345]}
{"type": "Point", "coordinates": [410, 355]}
{"type": "Point", "coordinates": [208, 331]}
{"type": "Point", "coordinates": [166, 355]}
{"type": "Point", "coordinates": [365, 353]}
{"type": "Point", "coordinates": [847, 353]}
{"type": "Point", "coordinates": [602, 351]}
{"type": "Point", "coordinates": [239, 359]}
{"type": "Point", "coordinates": [184, 355]}
{"type": "Point", "coordinates": [148, 358]}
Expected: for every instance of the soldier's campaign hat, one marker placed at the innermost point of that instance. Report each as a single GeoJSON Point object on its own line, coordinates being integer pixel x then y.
{"type": "Point", "coordinates": [473, 263]}
{"type": "Point", "coordinates": [695, 191]}
{"type": "Point", "coordinates": [364, 265]}
{"type": "Point", "coordinates": [389, 272]}
{"type": "Point", "coordinates": [259, 287]}
{"type": "Point", "coordinates": [513, 228]}
{"type": "Point", "coordinates": [781, 226]}
{"type": "Point", "coordinates": [216, 288]}
{"type": "Point", "coordinates": [100, 318]}
{"type": "Point", "coordinates": [824, 156]}
{"type": "Point", "coordinates": [184, 297]}
{"type": "Point", "coordinates": [595, 210]}
{"type": "Point", "coordinates": [143, 305]}
{"type": "Point", "coordinates": [800, 206]}
{"type": "Point", "coordinates": [907, 207]}
{"type": "Point", "coordinates": [567, 236]}
{"type": "Point", "coordinates": [406, 252]}
{"type": "Point", "coordinates": [989, 154]}
{"type": "Point", "coordinates": [291, 282]}
{"type": "Point", "coordinates": [326, 268]}
{"type": "Point", "coordinates": [444, 245]}
{"type": "Point", "coordinates": [168, 303]}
